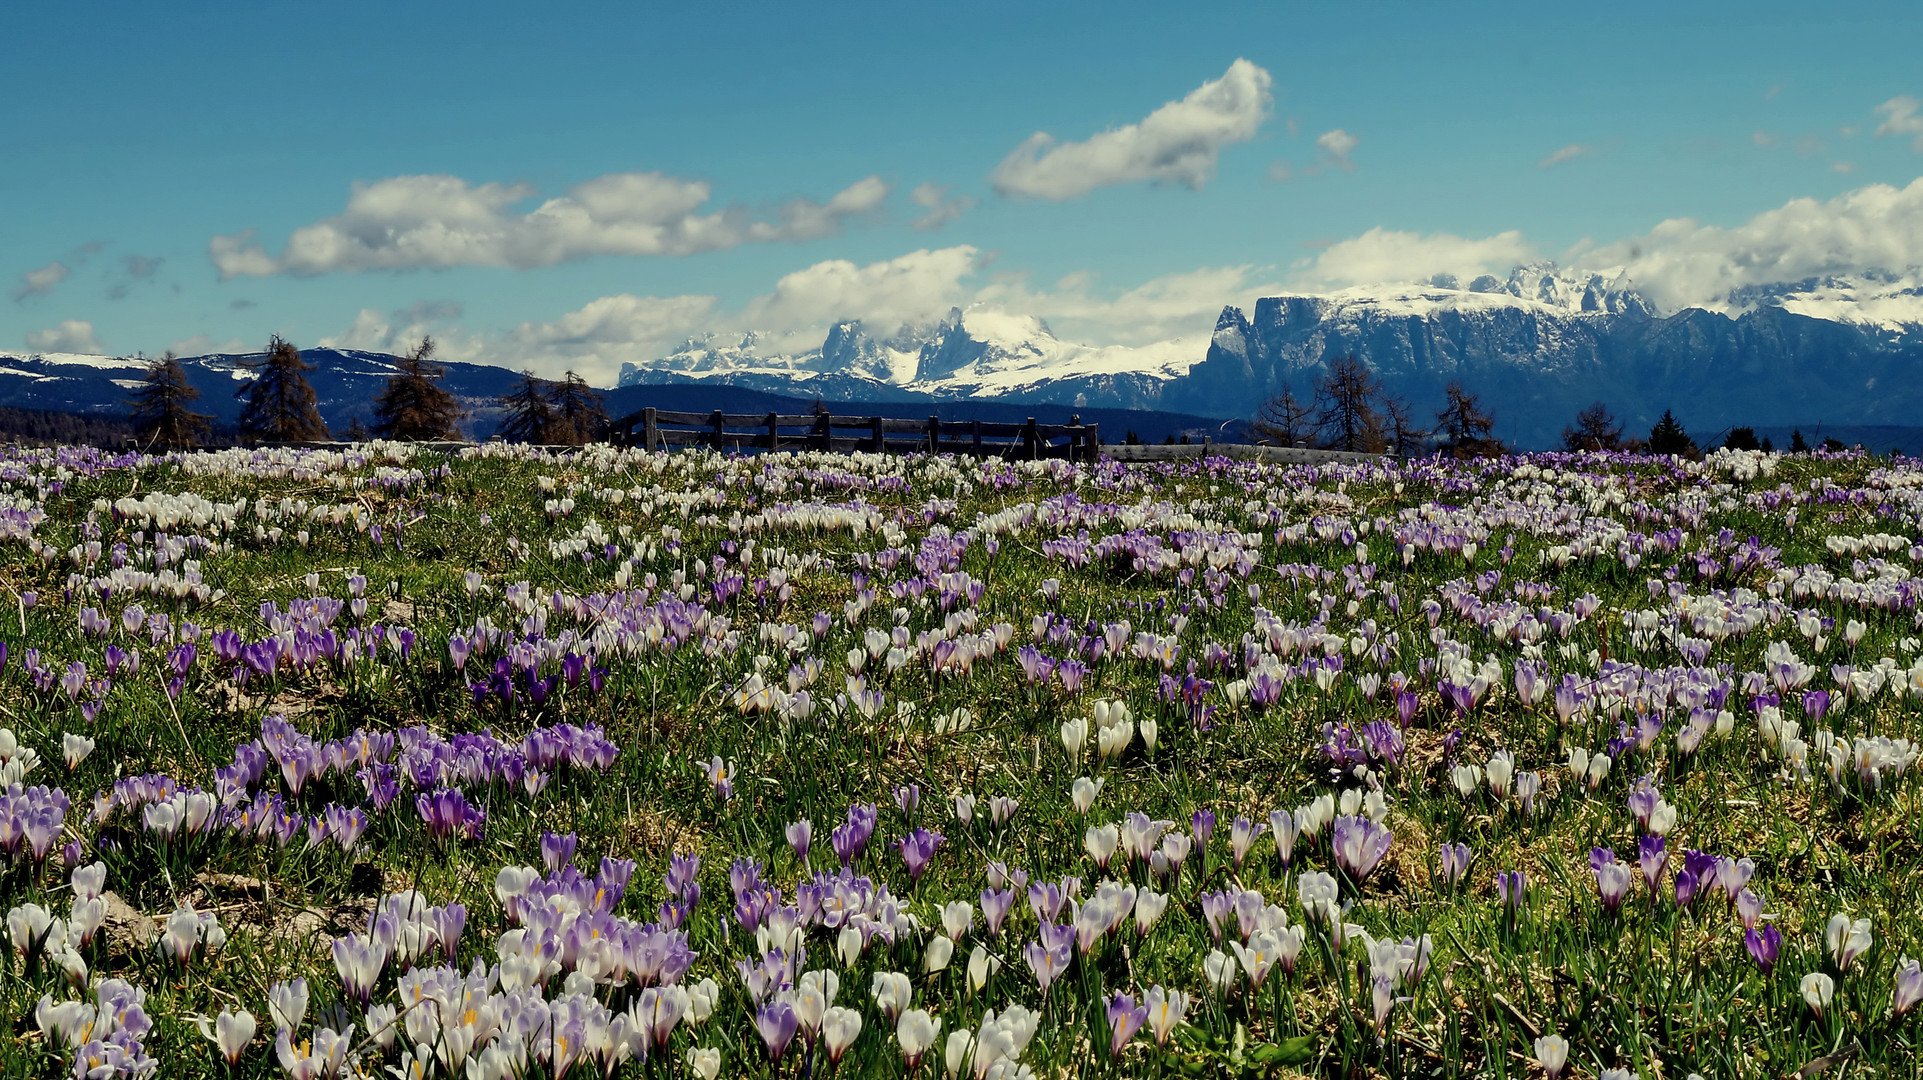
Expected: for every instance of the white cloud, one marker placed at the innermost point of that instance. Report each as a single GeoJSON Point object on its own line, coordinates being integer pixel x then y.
{"type": "Point", "coordinates": [1171, 306]}
{"type": "Point", "coordinates": [941, 209]}
{"type": "Point", "coordinates": [1567, 153]}
{"type": "Point", "coordinates": [71, 336]}
{"type": "Point", "coordinates": [35, 282]}
{"type": "Point", "coordinates": [1387, 255]}
{"type": "Point", "coordinates": [1279, 170]}
{"type": "Point", "coordinates": [396, 331]}
{"type": "Point", "coordinates": [916, 288]}
{"type": "Point", "coordinates": [912, 288]}
{"type": "Point", "coordinates": [1682, 262]}
{"type": "Point", "coordinates": [427, 222]}
{"type": "Point", "coordinates": [1843, 167]}
{"type": "Point", "coordinates": [1902, 116]}
{"type": "Point", "coordinates": [1337, 145]}
{"type": "Point", "coordinates": [1178, 143]}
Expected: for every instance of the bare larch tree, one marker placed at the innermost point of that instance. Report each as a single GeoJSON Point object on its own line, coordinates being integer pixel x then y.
{"type": "Point", "coordinates": [1348, 409]}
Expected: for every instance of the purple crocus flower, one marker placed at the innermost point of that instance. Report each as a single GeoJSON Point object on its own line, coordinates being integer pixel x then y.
{"type": "Point", "coordinates": [1359, 845]}
{"type": "Point", "coordinates": [800, 834]}
{"type": "Point", "coordinates": [1047, 964]}
{"type": "Point", "coordinates": [1763, 946]}
{"type": "Point", "coordinates": [995, 908]}
{"type": "Point", "coordinates": [1613, 879]}
{"type": "Point", "coordinates": [1686, 887]}
{"type": "Point", "coordinates": [1125, 1018]}
{"type": "Point", "coordinates": [447, 812]}
{"type": "Point", "coordinates": [1909, 986]}
{"type": "Point", "coordinates": [776, 1023]}
{"type": "Point", "coordinates": [1512, 888]}
{"type": "Point", "coordinates": [1217, 908]}
{"type": "Point", "coordinates": [1454, 863]}
{"type": "Point", "coordinates": [917, 848]}
{"type": "Point", "coordinates": [557, 849]}
{"type": "Point", "coordinates": [1652, 852]}
{"type": "Point", "coordinates": [907, 798]}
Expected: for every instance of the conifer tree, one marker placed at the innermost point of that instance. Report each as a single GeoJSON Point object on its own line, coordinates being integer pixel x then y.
{"type": "Point", "coordinates": [579, 417]}
{"type": "Point", "coordinates": [160, 407]}
{"type": "Point", "coordinates": [529, 419]}
{"type": "Point", "coordinates": [357, 431]}
{"type": "Point", "coordinates": [1668, 437]}
{"type": "Point", "coordinates": [414, 406]}
{"type": "Point", "coordinates": [280, 403]}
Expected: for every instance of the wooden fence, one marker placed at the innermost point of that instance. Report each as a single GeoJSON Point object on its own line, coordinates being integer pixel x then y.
{"type": "Point", "coordinates": [660, 428]}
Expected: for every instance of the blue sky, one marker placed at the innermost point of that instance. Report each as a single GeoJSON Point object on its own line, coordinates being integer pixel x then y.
{"type": "Point", "coordinates": [134, 134]}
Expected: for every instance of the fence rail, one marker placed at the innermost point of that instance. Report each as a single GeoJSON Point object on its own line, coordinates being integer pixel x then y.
{"type": "Point", "coordinates": [652, 428]}
{"type": "Point", "coordinates": [1281, 455]}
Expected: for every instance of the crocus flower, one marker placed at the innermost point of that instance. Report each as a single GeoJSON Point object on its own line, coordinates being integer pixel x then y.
{"type": "Point", "coordinates": [1242, 836]}
{"type": "Point", "coordinates": [1652, 852]}
{"type": "Point", "coordinates": [1125, 1018]}
{"type": "Point", "coordinates": [916, 1032]}
{"type": "Point", "coordinates": [1818, 989]}
{"type": "Point", "coordinates": [1512, 888]}
{"type": "Point", "coordinates": [76, 748]}
{"type": "Point", "coordinates": [775, 1022]}
{"type": "Point", "coordinates": [839, 1027]}
{"type": "Point", "coordinates": [1165, 1009]}
{"type": "Point", "coordinates": [1084, 791]}
{"type": "Point", "coordinates": [1552, 1053]}
{"type": "Point", "coordinates": [231, 1032]}
{"type": "Point", "coordinates": [1847, 940]}
{"type": "Point", "coordinates": [557, 849]}
{"type": "Point", "coordinates": [1909, 986]}
{"type": "Point", "coordinates": [1360, 845]}
{"type": "Point", "coordinates": [917, 849]}
{"type": "Point", "coordinates": [1454, 864]}
{"type": "Point", "coordinates": [720, 777]}
{"type": "Point", "coordinates": [892, 993]}
{"type": "Point", "coordinates": [287, 1004]}
{"type": "Point", "coordinates": [1764, 945]}
{"type": "Point", "coordinates": [1047, 964]}
{"type": "Point", "coordinates": [1612, 878]}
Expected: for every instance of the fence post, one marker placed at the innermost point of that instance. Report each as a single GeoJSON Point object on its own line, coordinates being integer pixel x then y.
{"type": "Point", "coordinates": [934, 434]}
{"type": "Point", "coordinates": [648, 431]}
{"type": "Point", "coordinates": [880, 445]}
{"type": "Point", "coordinates": [1032, 440]}
{"type": "Point", "coordinates": [822, 435]}
{"type": "Point", "coordinates": [773, 440]}
{"type": "Point", "coordinates": [1091, 443]}
{"type": "Point", "coordinates": [976, 449]}
{"type": "Point", "coordinates": [718, 426]}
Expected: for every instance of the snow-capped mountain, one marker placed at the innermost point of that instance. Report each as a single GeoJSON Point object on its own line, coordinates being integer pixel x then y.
{"type": "Point", "coordinates": [1538, 346]}
{"type": "Point", "coordinates": [1544, 344]}
{"type": "Point", "coordinates": [980, 353]}
{"type": "Point", "coordinates": [345, 383]}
